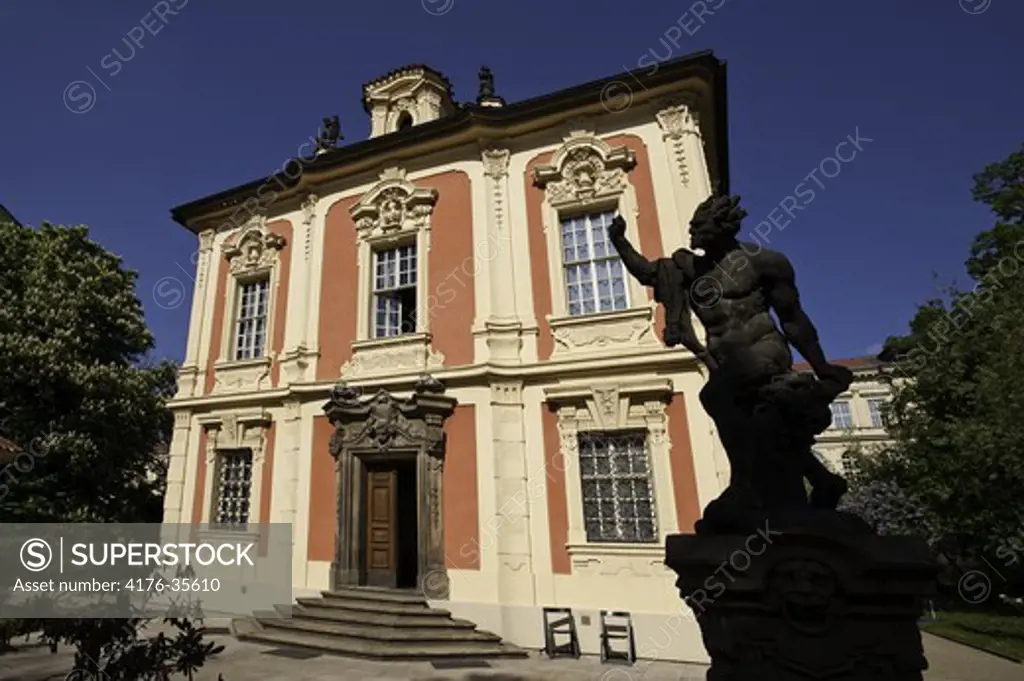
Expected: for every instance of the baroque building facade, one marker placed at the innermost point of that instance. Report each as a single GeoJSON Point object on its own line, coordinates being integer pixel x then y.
{"type": "Point", "coordinates": [858, 415]}
{"type": "Point", "coordinates": [421, 352]}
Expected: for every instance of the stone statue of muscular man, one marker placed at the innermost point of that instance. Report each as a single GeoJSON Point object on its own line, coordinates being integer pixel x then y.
{"type": "Point", "coordinates": [766, 414]}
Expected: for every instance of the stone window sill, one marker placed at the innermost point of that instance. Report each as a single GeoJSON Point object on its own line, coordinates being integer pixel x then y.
{"type": "Point", "coordinates": [391, 341]}
{"type": "Point", "coordinates": [645, 549]}
{"type": "Point", "coordinates": [229, 364]}
{"type": "Point", "coordinates": [250, 533]}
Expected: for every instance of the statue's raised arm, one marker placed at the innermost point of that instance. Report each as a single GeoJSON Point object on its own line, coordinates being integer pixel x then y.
{"type": "Point", "coordinates": [766, 415]}
{"type": "Point", "coordinates": [671, 283]}
{"type": "Point", "coordinates": [645, 271]}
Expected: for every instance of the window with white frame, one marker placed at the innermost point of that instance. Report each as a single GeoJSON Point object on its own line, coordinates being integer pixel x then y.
{"type": "Point", "coordinates": [594, 275]}
{"type": "Point", "coordinates": [233, 488]}
{"type": "Point", "coordinates": [875, 411]}
{"type": "Point", "coordinates": [618, 503]}
{"type": "Point", "coordinates": [394, 291]}
{"type": "Point", "coordinates": [842, 418]}
{"type": "Point", "coordinates": [251, 318]}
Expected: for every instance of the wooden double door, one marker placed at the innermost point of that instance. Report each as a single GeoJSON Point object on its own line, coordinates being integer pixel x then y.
{"type": "Point", "coordinates": [392, 525]}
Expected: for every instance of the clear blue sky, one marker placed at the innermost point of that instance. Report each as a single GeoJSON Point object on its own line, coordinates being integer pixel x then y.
{"type": "Point", "coordinates": [225, 91]}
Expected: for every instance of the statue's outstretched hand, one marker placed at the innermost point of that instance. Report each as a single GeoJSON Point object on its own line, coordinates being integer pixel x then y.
{"type": "Point", "coordinates": [836, 373]}
{"type": "Point", "coordinates": [617, 228]}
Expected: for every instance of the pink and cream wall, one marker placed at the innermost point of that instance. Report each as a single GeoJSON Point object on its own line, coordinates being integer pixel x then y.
{"type": "Point", "coordinates": [494, 328]}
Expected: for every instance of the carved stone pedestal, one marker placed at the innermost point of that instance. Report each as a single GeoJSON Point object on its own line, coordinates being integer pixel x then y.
{"type": "Point", "coordinates": [806, 597]}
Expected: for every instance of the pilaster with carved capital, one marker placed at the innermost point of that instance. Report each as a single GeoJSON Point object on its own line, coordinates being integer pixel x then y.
{"type": "Point", "coordinates": [513, 494]}
{"type": "Point", "coordinates": [188, 376]}
{"type": "Point", "coordinates": [677, 123]}
{"type": "Point", "coordinates": [296, 358]}
{"type": "Point", "coordinates": [289, 463]}
{"type": "Point", "coordinates": [680, 123]}
{"type": "Point", "coordinates": [503, 325]}
{"type": "Point", "coordinates": [177, 458]}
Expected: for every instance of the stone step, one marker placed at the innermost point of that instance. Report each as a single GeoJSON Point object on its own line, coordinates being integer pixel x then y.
{"type": "Point", "coordinates": [381, 650]}
{"type": "Point", "coordinates": [342, 602]}
{"type": "Point", "coordinates": [377, 633]}
{"type": "Point", "coordinates": [375, 618]}
{"type": "Point", "coordinates": [378, 594]}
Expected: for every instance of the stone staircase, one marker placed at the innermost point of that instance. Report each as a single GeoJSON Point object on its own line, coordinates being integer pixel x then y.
{"type": "Point", "coordinates": [387, 624]}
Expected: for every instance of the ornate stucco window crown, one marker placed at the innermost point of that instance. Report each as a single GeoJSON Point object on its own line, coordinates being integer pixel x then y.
{"type": "Point", "coordinates": [254, 250]}
{"type": "Point", "coordinates": [585, 169]}
{"type": "Point", "coordinates": [393, 205]}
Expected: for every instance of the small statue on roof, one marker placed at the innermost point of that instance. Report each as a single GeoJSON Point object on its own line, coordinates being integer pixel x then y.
{"type": "Point", "coordinates": [330, 133]}
{"type": "Point", "coordinates": [487, 96]}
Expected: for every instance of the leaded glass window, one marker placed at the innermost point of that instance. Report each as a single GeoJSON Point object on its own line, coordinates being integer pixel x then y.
{"type": "Point", "coordinates": [234, 485]}
{"type": "Point", "coordinates": [618, 503]}
{"type": "Point", "coordinates": [594, 275]}
{"type": "Point", "coordinates": [251, 316]}
{"type": "Point", "coordinates": [394, 291]}
{"type": "Point", "coordinates": [849, 461]}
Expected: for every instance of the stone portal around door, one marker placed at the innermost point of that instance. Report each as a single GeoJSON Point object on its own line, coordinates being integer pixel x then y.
{"type": "Point", "coordinates": [376, 440]}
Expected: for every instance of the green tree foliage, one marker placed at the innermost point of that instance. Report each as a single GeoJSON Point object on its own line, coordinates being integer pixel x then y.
{"type": "Point", "coordinates": [75, 392]}
{"type": "Point", "coordinates": [958, 413]}
{"type": "Point", "coordinates": [88, 410]}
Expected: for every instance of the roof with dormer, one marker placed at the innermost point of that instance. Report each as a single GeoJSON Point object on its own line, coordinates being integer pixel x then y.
{"type": "Point", "coordinates": [409, 70]}
{"type": "Point", "coordinates": [483, 123]}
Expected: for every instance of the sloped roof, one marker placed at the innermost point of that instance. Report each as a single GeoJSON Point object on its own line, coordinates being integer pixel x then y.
{"type": "Point", "coordinates": [489, 122]}
{"type": "Point", "coordinates": [866, 362]}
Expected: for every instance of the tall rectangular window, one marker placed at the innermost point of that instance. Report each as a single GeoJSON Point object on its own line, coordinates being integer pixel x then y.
{"type": "Point", "coordinates": [618, 504]}
{"type": "Point", "coordinates": [251, 316]}
{"type": "Point", "coordinates": [594, 275]}
{"type": "Point", "coordinates": [842, 419]}
{"type": "Point", "coordinates": [234, 485]}
{"type": "Point", "coordinates": [394, 291]}
{"type": "Point", "coordinates": [875, 411]}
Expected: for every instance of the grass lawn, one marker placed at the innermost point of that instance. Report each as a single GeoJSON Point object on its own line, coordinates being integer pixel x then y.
{"type": "Point", "coordinates": [1002, 634]}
